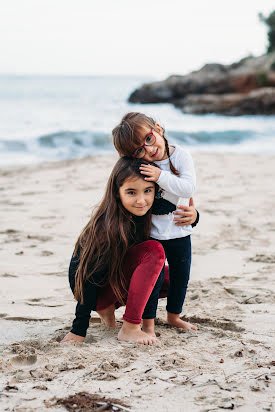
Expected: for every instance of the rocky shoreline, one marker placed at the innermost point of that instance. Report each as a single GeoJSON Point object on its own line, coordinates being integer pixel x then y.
{"type": "Point", "coordinates": [243, 88]}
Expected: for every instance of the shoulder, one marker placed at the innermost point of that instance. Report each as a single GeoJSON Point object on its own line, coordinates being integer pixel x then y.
{"type": "Point", "coordinates": [181, 150]}
{"type": "Point", "coordinates": [181, 154]}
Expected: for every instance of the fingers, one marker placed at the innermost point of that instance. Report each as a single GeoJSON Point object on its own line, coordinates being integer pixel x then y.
{"type": "Point", "coordinates": [191, 202]}
{"type": "Point", "coordinates": [150, 179]}
{"type": "Point", "coordinates": [181, 223]}
{"type": "Point", "coordinates": [147, 167]}
{"type": "Point", "coordinates": [182, 207]}
{"type": "Point", "coordinates": [147, 170]}
{"type": "Point", "coordinates": [184, 220]}
{"type": "Point", "coordinates": [144, 166]}
{"type": "Point", "coordinates": [183, 214]}
{"type": "Point", "coordinates": [151, 172]}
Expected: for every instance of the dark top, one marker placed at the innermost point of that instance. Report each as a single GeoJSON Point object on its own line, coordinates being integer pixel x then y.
{"type": "Point", "coordinates": [91, 287]}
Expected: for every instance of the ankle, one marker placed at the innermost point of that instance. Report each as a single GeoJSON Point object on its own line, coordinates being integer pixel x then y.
{"type": "Point", "coordinates": [148, 324]}
{"type": "Point", "coordinates": [109, 311]}
{"type": "Point", "coordinates": [127, 326]}
{"type": "Point", "coordinates": [172, 316]}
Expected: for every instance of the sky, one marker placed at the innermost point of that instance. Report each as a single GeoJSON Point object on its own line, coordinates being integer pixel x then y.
{"type": "Point", "coordinates": [123, 37]}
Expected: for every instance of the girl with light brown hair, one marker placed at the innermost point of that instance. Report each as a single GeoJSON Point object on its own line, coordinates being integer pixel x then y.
{"type": "Point", "coordinates": [141, 137]}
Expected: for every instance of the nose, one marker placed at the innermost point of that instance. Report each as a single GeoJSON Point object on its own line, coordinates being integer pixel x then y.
{"type": "Point", "coordinates": [149, 149]}
{"type": "Point", "coordinates": [140, 200]}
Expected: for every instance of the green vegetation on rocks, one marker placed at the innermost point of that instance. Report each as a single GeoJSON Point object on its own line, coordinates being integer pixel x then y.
{"type": "Point", "coordinates": [270, 22]}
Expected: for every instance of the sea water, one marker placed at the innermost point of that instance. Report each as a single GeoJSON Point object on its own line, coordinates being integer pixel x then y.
{"type": "Point", "coordinates": [62, 117]}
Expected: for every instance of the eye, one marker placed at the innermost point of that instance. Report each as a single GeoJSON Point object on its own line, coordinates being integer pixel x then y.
{"type": "Point", "coordinates": [139, 152]}
{"type": "Point", "coordinates": [148, 190]}
{"type": "Point", "coordinates": [149, 139]}
{"type": "Point", "coordinates": [131, 192]}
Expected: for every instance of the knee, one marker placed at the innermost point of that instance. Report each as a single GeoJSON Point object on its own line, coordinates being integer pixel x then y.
{"type": "Point", "coordinates": [155, 250]}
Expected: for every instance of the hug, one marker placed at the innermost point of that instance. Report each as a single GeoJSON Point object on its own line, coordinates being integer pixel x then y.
{"type": "Point", "coordinates": [119, 257]}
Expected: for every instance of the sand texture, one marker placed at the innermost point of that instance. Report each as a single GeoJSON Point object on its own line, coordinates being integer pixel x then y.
{"type": "Point", "coordinates": [227, 364]}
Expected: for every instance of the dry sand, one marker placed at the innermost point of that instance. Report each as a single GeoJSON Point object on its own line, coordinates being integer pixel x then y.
{"type": "Point", "coordinates": [227, 364]}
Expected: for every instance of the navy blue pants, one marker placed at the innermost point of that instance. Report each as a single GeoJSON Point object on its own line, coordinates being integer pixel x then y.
{"type": "Point", "coordinates": [178, 253]}
{"type": "Point", "coordinates": [150, 310]}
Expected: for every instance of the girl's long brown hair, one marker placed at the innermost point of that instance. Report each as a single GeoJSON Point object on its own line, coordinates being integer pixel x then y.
{"type": "Point", "coordinates": [104, 241]}
{"type": "Point", "coordinates": [126, 135]}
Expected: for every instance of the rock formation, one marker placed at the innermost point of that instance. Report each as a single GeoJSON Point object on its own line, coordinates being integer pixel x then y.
{"type": "Point", "coordinates": [246, 87]}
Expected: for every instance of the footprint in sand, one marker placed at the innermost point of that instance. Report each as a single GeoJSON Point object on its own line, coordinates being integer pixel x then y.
{"type": "Point", "coordinates": [43, 305]}
{"type": "Point", "coordinates": [46, 253]}
{"type": "Point", "coordinates": [11, 203]}
{"type": "Point", "coordinates": [23, 360]}
{"type": "Point", "coordinates": [263, 258]}
{"type": "Point", "coordinates": [223, 324]}
{"type": "Point", "coordinates": [44, 217]}
{"type": "Point", "coordinates": [251, 297]}
{"type": "Point", "coordinates": [47, 225]}
{"type": "Point", "coordinates": [31, 193]}
{"type": "Point", "coordinates": [11, 235]}
{"type": "Point", "coordinates": [8, 275]}
{"type": "Point", "coordinates": [41, 238]}
{"type": "Point", "coordinates": [61, 273]}
{"type": "Point", "coordinates": [8, 231]}
{"type": "Point", "coordinates": [25, 319]}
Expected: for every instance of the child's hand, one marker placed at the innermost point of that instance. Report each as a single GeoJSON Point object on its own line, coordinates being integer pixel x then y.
{"type": "Point", "coordinates": [152, 171]}
{"type": "Point", "coordinates": [187, 215]}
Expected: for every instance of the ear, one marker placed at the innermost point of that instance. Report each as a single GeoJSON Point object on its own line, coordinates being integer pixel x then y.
{"type": "Point", "coordinates": [159, 129]}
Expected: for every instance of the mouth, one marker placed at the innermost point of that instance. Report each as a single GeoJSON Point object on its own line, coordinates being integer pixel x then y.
{"type": "Point", "coordinates": [156, 152]}
{"type": "Point", "coordinates": [141, 207]}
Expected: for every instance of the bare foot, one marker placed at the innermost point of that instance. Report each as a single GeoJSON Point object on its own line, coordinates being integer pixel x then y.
{"type": "Point", "coordinates": [148, 326]}
{"type": "Point", "coordinates": [132, 333]}
{"type": "Point", "coordinates": [71, 337]}
{"type": "Point", "coordinates": [174, 320]}
{"type": "Point", "coordinates": [107, 316]}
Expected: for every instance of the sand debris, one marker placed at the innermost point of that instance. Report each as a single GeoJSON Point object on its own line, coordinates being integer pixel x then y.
{"type": "Point", "coordinates": [86, 402]}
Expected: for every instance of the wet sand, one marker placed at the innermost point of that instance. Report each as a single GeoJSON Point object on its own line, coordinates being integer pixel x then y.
{"type": "Point", "coordinates": [227, 364]}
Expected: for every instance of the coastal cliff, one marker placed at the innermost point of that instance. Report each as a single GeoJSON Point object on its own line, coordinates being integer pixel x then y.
{"type": "Point", "coordinates": [245, 87]}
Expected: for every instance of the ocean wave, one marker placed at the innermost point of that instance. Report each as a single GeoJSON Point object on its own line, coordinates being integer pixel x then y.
{"type": "Point", "coordinates": [66, 144]}
{"type": "Point", "coordinates": [214, 137]}
{"type": "Point", "coordinates": [51, 118]}
{"type": "Point", "coordinates": [73, 138]}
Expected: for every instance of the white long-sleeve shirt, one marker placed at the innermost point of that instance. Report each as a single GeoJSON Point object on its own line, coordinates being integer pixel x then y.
{"type": "Point", "coordinates": [177, 190]}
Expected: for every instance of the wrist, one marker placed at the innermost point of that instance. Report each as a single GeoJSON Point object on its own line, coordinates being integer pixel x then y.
{"type": "Point", "coordinates": [197, 219]}
{"type": "Point", "coordinates": [157, 181]}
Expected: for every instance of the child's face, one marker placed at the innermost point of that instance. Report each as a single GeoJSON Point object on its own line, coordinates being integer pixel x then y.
{"type": "Point", "coordinates": [156, 151]}
{"type": "Point", "coordinates": [137, 195]}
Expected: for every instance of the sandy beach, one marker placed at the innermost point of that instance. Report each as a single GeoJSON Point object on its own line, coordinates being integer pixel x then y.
{"type": "Point", "coordinates": [227, 364]}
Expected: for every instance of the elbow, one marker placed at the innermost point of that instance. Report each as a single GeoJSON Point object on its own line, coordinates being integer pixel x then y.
{"type": "Point", "coordinates": [190, 190]}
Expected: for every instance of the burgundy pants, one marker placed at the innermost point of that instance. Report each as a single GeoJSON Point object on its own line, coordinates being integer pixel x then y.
{"type": "Point", "coordinates": [142, 267]}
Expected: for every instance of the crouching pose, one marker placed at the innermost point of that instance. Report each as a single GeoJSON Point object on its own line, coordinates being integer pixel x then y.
{"type": "Point", "coordinates": [114, 263]}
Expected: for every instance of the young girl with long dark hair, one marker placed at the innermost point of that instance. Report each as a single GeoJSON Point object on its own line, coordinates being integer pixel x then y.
{"type": "Point", "coordinates": [114, 262]}
{"type": "Point", "coordinates": [140, 137]}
